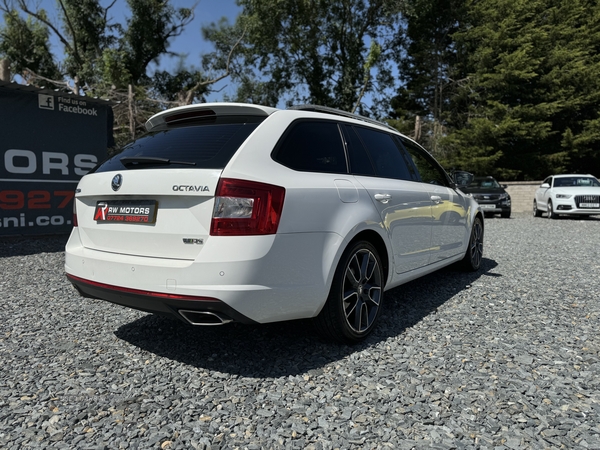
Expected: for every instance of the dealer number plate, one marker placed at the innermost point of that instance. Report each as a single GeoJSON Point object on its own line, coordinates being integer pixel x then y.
{"type": "Point", "coordinates": [126, 211]}
{"type": "Point", "coordinates": [589, 205]}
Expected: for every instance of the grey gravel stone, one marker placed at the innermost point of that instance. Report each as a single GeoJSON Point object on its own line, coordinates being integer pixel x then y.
{"type": "Point", "coordinates": [507, 358]}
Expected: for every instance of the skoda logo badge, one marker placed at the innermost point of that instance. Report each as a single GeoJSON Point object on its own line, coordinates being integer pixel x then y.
{"type": "Point", "coordinates": [116, 182]}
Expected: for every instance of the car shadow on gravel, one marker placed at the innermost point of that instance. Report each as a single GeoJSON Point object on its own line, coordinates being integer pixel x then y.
{"type": "Point", "coordinates": [31, 245]}
{"type": "Point", "coordinates": [290, 348]}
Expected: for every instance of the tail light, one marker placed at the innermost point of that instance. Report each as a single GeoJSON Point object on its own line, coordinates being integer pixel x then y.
{"type": "Point", "coordinates": [244, 208]}
{"type": "Point", "coordinates": [74, 213]}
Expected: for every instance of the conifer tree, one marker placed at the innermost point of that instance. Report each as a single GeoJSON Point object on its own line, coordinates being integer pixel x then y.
{"type": "Point", "coordinates": [530, 105]}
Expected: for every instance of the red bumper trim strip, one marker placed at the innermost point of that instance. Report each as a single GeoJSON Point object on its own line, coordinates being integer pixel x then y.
{"type": "Point", "coordinates": [140, 291]}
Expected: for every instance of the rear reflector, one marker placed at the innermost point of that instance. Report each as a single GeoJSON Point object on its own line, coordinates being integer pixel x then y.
{"type": "Point", "coordinates": [244, 208]}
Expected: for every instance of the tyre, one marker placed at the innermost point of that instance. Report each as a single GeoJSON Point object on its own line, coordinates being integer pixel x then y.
{"type": "Point", "coordinates": [356, 296]}
{"type": "Point", "coordinates": [536, 211]}
{"type": "Point", "coordinates": [505, 214]}
{"type": "Point", "coordinates": [472, 260]}
{"type": "Point", "coordinates": [550, 213]}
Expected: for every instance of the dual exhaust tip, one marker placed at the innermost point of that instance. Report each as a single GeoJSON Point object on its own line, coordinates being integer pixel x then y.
{"type": "Point", "coordinates": [206, 318]}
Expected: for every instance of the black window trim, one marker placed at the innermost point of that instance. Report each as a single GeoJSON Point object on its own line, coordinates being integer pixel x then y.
{"type": "Point", "coordinates": [397, 138]}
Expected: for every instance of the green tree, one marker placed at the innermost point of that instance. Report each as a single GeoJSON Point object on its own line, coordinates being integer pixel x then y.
{"type": "Point", "coordinates": [24, 42]}
{"type": "Point", "coordinates": [98, 53]}
{"type": "Point", "coordinates": [529, 106]}
{"type": "Point", "coordinates": [152, 25]}
{"type": "Point", "coordinates": [101, 57]}
{"type": "Point", "coordinates": [232, 54]}
{"type": "Point", "coordinates": [316, 51]}
{"type": "Point", "coordinates": [425, 69]}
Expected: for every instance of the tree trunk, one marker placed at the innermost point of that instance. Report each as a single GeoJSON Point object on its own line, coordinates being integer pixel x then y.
{"type": "Point", "coordinates": [417, 128]}
{"type": "Point", "coordinates": [5, 70]}
{"type": "Point", "coordinates": [131, 115]}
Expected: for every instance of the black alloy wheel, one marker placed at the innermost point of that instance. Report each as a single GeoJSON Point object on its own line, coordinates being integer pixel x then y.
{"type": "Point", "coordinates": [356, 296]}
{"type": "Point", "coordinates": [474, 255]}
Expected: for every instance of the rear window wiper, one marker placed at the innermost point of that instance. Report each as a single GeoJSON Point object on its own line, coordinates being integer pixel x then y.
{"type": "Point", "coordinates": [137, 161]}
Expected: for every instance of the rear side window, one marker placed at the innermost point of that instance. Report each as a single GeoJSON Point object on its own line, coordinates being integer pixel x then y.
{"type": "Point", "coordinates": [360, 162]}
{"type": "Point", "coordinates": [207, 146]}
{"type": "Point", "coordinates": [386, 155]}
{"type": "Point", "coordinates": [312, 146]}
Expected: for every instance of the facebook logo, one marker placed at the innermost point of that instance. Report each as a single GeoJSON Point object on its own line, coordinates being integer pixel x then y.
{"type": "Point", "coordinates": [45, 101]}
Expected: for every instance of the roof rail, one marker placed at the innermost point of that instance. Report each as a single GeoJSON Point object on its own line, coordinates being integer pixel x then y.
{"type": "Point", "coordinates": [338, 112]}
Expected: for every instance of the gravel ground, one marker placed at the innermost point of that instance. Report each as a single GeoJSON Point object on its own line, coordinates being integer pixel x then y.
{"type": "Point", "coordinates": [506, 358]}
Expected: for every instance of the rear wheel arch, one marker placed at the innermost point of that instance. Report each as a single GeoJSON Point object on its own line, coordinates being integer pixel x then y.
{"type": "Point", "coordinates": [479, 215]}
{"type": "Point", "coordinates": [376, 241]}
{"type": "Point", "coordinates": [370, 236]}
{"type": "Point", "coordinates": [482, 222]}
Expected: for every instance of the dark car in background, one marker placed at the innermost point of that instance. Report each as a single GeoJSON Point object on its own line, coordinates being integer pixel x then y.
{"type": "Point", "coordinates": [491, 196]}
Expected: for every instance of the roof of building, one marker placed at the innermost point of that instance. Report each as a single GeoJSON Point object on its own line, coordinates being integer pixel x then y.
{"type": "Point", "coordinates": [43, 90]}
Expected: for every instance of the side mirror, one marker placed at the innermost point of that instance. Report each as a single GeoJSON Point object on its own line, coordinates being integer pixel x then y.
{"type": "Point", "coordinates": [462, 178]}
{"type": "Point", "coordinates": [504, 186]}
{"type": "Point", "coordinates": [545, 185]}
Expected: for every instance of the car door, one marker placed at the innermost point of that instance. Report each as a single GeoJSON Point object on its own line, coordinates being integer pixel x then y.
{"type": "Point", "coordinates": [378, 164]}
{"type": "Point", "coordinates": [450, 231]}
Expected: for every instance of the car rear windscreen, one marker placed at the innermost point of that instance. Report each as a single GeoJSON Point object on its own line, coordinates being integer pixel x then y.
{"type": "Point", "coordinates": [200, 146]}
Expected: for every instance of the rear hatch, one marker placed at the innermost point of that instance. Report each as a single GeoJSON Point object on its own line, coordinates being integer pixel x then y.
{"type": "Point", "coordinates": [156, 197]}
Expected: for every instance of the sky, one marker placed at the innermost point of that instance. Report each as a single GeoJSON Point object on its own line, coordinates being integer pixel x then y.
{"type": "Point", "coordinates": [189, 43]}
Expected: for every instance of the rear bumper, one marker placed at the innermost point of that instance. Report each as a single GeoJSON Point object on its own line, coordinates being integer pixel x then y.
{"type": "Point", "coordinates": [159, 303]}
{"type": "Point", "coordinates": [265, 278]}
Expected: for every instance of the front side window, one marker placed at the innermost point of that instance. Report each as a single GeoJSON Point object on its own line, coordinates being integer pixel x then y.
{"type": "Point", "coordinates": [312, 146]}
{"type": "Point", "coordinates": [387, 157]}
{"type": "Point", "coordinates": [428, 170]}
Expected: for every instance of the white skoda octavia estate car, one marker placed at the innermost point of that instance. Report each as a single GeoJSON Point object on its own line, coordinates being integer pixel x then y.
{"type": "Point", "coordinates": [567, 194]}
{"type": "Point", "coordinates": [235, 212]}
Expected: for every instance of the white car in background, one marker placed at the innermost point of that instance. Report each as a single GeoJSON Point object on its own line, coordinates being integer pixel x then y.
{"type": "Point", "coordinates": [567, 194]}
{"type": "Point", "coordinates": [235, 212]}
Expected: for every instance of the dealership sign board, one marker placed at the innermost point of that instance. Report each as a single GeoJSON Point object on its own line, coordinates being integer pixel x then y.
{"type": "Point", "coordinates": [48, 141]}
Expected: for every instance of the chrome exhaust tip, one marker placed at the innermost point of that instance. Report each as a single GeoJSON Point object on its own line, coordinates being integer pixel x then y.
{"type": "Point", "coordinates": [206, 318]}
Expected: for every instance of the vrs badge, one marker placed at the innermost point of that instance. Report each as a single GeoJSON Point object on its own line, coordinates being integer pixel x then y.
{"type": "Point", "coordinates": [126, 211]}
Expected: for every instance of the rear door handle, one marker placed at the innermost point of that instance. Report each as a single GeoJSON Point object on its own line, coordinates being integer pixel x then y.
{"type": "Point", "coordinates": [383, 198]}
{"type": "Point", "coordinates": [435, 199]}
